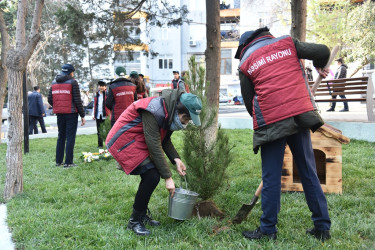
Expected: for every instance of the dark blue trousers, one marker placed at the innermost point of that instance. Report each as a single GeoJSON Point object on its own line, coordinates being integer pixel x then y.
{"type": "Point", "coordinates": [33, 129]}
{"type": "Point", "coordinates": [272, 161]}
{"type": "Point", "coordinates": [67, 126]}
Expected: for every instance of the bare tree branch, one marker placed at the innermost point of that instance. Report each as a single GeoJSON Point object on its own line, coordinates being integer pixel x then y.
{"type": "Point", "coordinates": [4, 40]}
{"type": "Point", "coordinates": [20, 26]}
{"type": "Point", "coordinates": [34, 33]}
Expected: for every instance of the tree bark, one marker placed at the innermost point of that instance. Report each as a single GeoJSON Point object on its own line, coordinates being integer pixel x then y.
{"type": "Point", "coordinates": [299, 13]}
{"type": "Point", "coordinates": [16, 63]}
{"type": "Point", "coordinates": [14, 176]}
{"type": "Point", "coordinates": [3, 67]}
{"type": "Point", "coordinates": [213, 63]}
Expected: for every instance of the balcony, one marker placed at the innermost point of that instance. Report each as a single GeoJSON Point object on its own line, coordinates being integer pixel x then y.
{"type": "Point", "coordinates": [229, 13]}
{"type": "Point", "coordinates": [230, 35]}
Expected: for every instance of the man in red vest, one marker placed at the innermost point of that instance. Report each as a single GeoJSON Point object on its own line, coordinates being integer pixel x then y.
{"type": "Point", "coordinates": [276, 94]}
{"type": "Point", "coordinates": [64, 96]}
{"type": "Point", "coordinates": [121, 93]}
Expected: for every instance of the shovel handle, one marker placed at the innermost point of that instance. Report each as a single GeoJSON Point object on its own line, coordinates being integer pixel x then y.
{"type": "Point", "coordinates": [259, 189]}
{"type": "Point", "coordinates": [319, 79]}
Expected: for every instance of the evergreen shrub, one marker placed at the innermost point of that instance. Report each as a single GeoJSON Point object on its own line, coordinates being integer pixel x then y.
{"type": "Point", "coordinates": [206, 162]}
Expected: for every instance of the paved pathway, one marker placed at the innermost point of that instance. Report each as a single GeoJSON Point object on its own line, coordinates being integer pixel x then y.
{"type": "Point", "coordinates": [5, 237]}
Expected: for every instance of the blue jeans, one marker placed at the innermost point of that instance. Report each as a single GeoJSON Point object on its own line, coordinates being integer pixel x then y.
{"type": "Point", "coordinates": [67, 126]}
{"type": "Point", "coordinates": [272, 161]}
{"type": "Point", "coordinates": [346, 106]}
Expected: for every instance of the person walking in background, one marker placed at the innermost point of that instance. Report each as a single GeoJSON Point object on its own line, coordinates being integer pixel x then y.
{"type": "Point", "coordinates": [100, 110]}
{"type": "Point", "coordinates": [277, 96]}
{"type": "Point", "coordinates": [36, 111]}
{"type": "Point", "coordinates": [178, 82]}
{"type": "Point", "coordinates": [340, 73]}
{"type": "Point", "coordinates": [141, 88]}
{"type": "Point", "coordinates": [309, 74]}
{"type": "Point", "coordinates": [140, 147]}
{"type": "Point", "coordinates": [85, 99]}
{"type": "Point", "coordinates": [121, 93]}
{"type": "Point", "coordinates": [64, 96]}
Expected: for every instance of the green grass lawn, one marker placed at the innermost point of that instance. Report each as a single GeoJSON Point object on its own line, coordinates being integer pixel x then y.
{"type": "Point", "coordinates": [88, 207]}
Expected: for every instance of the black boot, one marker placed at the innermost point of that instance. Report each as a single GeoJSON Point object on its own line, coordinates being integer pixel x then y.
{"type": "Point", "coordinates": [136, 223]}
{"type": "Point", "coordinates": [321, 235]}
{"type": "Point", "coordinates": [257, 235]}
{"type": "Point", "coordinates": [147, 219]}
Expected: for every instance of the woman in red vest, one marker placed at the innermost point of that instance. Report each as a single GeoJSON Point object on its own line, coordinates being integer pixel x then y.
{"type": "Point", "coordinates": [141, 87]}
{"type": "Point", "coordinates": [139, 139]}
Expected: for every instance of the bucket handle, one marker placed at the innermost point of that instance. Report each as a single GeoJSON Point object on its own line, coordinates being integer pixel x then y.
{"type": "Point", "coordinates": [184, 178]}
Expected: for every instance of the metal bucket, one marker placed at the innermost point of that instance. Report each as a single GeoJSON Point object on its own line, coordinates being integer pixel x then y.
{"type": "Point", "coordinates": [181, 205]}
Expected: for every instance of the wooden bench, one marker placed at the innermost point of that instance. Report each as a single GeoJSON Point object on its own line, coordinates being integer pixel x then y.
{"type": "Point", "coordinates": [358, 89]}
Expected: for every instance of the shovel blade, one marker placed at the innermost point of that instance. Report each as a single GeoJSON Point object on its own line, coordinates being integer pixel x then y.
{"type": "Point", "coordinates": [245, 210]}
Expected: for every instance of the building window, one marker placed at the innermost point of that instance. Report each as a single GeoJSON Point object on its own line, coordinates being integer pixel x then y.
{"type": "Point", "coordinates": [131, 61]}
{"type": "Point", "coordinates": [165, 63]}
{"type": "Point", "coordinates": [226, 62]}
{"type": "Point", "coordinates": [160, 63]}
{"type": "Point", "coordinates": [164, 33]}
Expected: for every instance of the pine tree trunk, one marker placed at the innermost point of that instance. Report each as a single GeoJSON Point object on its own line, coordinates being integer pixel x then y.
{"type": "Point", "coordinates": [213, 63]}
{"type": "Point", "coordinates": [299, 13]}
{"type": "Point", "coordinates": [14, 176]}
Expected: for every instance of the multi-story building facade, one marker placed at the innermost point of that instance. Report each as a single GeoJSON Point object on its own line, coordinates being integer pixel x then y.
{"type": "Point", "coordinates": [175, 45]}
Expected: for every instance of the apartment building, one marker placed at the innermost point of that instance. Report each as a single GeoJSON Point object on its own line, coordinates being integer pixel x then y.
{"type": "Point", "coordinates": [175, 45]}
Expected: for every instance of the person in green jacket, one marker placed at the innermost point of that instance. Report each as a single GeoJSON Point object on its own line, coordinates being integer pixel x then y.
{"type": "Point", "coordinates": [139, 139]}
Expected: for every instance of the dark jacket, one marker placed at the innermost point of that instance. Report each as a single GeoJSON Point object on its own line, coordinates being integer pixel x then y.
{"type": "Point", "coordinates": [36, 107]}
{"type": "Point", "coordinates": [341, 72]}
{"type": "Point", "coordinates": [75, 95]}
{"type": "Point", "coordinates": [106, 111]}
{"type": "Point", "coordinates": [280, 129]}
{"type": "Point", "coordinates": [179, 83]}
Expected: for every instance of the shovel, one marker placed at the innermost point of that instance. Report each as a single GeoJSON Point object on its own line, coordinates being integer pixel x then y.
{"type": "Point", "coordinates": [246, 208]}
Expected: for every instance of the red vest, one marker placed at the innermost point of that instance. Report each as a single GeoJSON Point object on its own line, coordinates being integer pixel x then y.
{"type": "Point", "coordinates": [126, 140]}
{"type": "Point", "coordinates": [123, 95]}
{"type": "Point", "coordinates": [63, 97]}
{"type": "Point", "coordinates": [281, 89]}
{"type": "Point", "coordinates": [140, 95]}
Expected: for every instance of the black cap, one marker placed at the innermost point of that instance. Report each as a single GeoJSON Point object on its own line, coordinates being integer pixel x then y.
{"type": "Point", "coordinates": [67, 68]}
{"type": "Point", "coordinates": [246, 38]}
{"type": "Point", "coordinates": [141, 75]}
{"type": "Point", "coordinates": [175, 72]}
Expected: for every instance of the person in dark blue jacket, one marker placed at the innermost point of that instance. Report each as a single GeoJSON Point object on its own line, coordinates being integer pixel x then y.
{"type": "Point", "coordinates": [36, 111]}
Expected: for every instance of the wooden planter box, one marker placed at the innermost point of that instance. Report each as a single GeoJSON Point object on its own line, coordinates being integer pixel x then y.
{"type": "Point", "coordinates": [327, 144]}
